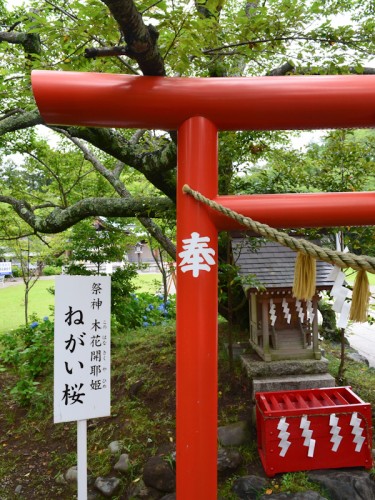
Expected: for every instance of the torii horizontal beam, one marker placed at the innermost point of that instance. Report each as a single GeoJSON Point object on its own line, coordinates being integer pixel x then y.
{"type": "Point", "coordinates": [258, 103]}
{"type": "Point", "coordinates": [300, 210]}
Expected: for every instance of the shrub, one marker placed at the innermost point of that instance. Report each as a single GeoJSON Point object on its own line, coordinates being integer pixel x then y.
{"type": "Point", "coordinates": [329, 328]}
{"type": "Point", "coordinates": [144, 309]}
{"type": "Point", "coordinates": [16, 272]}
{"type": "Point", "coordinates": [122, 282]}
{"type": "Point", "coordinates": [77, 270]}
{"type": "Point", "coordinates": [29, 350]}
{"type": "Point", "coordinates": [51, 270]}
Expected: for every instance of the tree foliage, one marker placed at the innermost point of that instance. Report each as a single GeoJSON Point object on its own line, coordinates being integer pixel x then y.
{"type": "Point", "coordinates": [341, 161]}
{"type": "Point", "coordinates": [52, 183]}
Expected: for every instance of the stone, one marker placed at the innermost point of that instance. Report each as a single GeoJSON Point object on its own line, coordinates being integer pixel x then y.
{"type": "Point", "coordinates": [114, 447]}
{"type": "Point", "coordinates": [60, 479]}
{"type": "Point", "coordinates": [158, 474]}
{"type": "Point", "coordinates": [258, 368]}
{"type": "Point", "coordinates": [355, 356]}
{"type": "Point", "coordinates": [18, 490]}
{"type": "Point", "coordinates": [92, 495]}
{"type": "Point", "coordinates": [107, 485]}
{"type": "Point", "coordinates": [249, 487]}
{"type": "Point", "coordinates": [72, 474]}
{"type": "Point", "coordinates": [233, 434]}
{"type": "Point", "coordinates": [238, 348]}
{"type": "Point", "coordinates": [348, 484]}
{"type": "Point", "coordinates": [292, 382]}
{"type": "Point", "coordinates": [228, 460]}
{"type": "Point", "coordinates": [170, 496]}
{"type": "Point", "coordinates": [123, 463]}
{"type": "Point", "coordinates": [135, 388]}
{"type": "Point", "coordinates": [301, 495]}
{"type": "Point", "coordinates": [140, 490]}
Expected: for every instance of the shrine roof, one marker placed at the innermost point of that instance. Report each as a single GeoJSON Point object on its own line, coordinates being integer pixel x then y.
{"type": "Point", "coordinates": [273, 265]}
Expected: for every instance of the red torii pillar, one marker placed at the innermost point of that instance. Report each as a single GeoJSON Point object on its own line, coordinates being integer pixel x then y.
{"type": "Point", "coordinates": [198, 108]}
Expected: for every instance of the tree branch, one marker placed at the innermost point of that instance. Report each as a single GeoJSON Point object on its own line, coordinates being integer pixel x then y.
{"type": "Point", "coordinates": [60, 219]}
{"type": "Point", "coordinates": [13, 37]}
{"type": "Point", "coordinates": [29, 41]}
{"type": "Point", "coordinates": [140, 39]}
{"type": "Point", "coordinates": [20, 121]}
{"type": "Point", "coordinates": [119, 187]}
{"type": "Point", "coordinates": [288, 67]}
{"type": "Point", "coordinates": [94, 52]}
{"type": "Point", "coordinates": [158, 167]}
{"type": "Point", "coordinates": [286, 38]}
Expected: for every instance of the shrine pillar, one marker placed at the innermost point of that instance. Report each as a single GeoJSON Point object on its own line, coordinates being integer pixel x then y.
{"type": "Point", "coordinates": [197, 304]}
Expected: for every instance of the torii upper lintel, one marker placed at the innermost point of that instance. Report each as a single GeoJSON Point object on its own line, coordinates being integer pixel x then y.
{"type": "Point", "coordinates": [254, 103]}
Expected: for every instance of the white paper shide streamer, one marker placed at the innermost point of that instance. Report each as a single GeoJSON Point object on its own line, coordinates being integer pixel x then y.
{"type": "Point", "coordinates": [357, 431]}
{"type": "Point", "coordinates": [286, 310]}
{"type": "Point", "coordinates": [299, 309]}
{"type": "Point", "coordinates": [307, 434]}
{"type": "Point", "coordinates": [283, 435]}
{"type": "Point", "coordinates": [335, 432]}
{"type": "Point", "coordinates": [340, 294]}
{"type": "Point", "coordinates": [273, 315]}
{"type": "Point", "coordinates": [310, 311]}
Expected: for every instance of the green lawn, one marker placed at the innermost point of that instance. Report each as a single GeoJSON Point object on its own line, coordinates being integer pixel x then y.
{"type": "Point", "coordinates": [40, 300]}
{"type": "Point", "coordinates": [12, 303]}
{"type": "Point", "coordinates": [148, 283]}
{"type": "Point", "coordinates": [350, 277]}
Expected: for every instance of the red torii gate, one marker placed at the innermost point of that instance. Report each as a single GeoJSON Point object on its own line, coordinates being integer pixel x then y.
{"type": "Point", "coordinates": [198, 108]}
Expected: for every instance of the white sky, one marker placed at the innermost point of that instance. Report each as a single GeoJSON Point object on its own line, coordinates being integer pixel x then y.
{"type": "Point", "coordinates": [14, 3]}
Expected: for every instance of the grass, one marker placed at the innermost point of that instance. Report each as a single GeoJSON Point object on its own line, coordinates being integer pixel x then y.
{"type": "Point", "coordinates": [142, 419]}
{"type": "Point", "coordinates": [148, 283]}
{"type": "Point", "coordinates": [12, 304]}
{"type": "Point", "coordinates": [351, 275]}
{"type": "Point", "coordinates": [143, 411]}
{"type": "Point", "coordinates": [357, 375]}
{"type": "Point", "coordinates": [41, 302]}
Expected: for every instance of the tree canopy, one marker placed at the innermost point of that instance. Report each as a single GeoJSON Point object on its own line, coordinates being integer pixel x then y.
{"type": "Point", "coordinates": [52, 178]}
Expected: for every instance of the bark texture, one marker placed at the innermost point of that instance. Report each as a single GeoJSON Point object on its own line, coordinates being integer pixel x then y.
{"type": "Point", "coordinates": [141, 40]}
{"type": "Point", "coordinates": [60, 219]}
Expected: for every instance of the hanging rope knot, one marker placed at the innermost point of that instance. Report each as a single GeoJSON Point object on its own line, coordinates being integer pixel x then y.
{"type": "Point", "coordinates": [308, 253]}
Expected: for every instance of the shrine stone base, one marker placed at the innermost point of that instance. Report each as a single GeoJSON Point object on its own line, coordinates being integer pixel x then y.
{"type": "Point", "coordinates": [292, 382]}
{"type": "Point", "coordinates": [286, 375]}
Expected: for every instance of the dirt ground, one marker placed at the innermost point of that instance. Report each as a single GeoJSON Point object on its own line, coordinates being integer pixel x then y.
{"type": "Point", "coordinates": [34, 451]}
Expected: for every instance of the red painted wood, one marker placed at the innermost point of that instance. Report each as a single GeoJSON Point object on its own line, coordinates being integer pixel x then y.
{"type": "Point", "coordinates": [317, 405]}
{"type": "Point", "coordinates": [300, 210]}
{"type": "Point", "coordinates": [256, 103]}
{"type": "Point", "coordinates": [196, 374]}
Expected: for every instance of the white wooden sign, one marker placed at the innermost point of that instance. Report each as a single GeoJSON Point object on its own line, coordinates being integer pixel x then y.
{"type": "Point", "coordinates": [5, 268]}
{"type": "Point", "coordinates": [82, 348]}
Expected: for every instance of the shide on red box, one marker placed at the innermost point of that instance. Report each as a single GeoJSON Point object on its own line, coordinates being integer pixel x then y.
{"type": "Point", "coordinates": [313, 429]}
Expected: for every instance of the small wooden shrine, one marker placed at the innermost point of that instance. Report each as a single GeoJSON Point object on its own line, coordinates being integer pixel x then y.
{"type": "Point", "coordinates": [281, 327]}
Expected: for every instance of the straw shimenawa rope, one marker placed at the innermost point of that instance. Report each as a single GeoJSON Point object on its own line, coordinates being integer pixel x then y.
{"type": "Point", "coordinates": [340, 259]}
{"type": "Point", "coordinates": [310, 250]}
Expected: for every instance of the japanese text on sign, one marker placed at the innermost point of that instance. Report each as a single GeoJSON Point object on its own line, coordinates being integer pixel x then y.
{"type": "Point", "coordinates": [5, 268]}
{"type": "Point", "coordinates": [82, 348]}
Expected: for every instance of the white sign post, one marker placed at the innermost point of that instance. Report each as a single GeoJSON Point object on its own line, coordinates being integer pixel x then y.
{"type": "Point", "coordinates": [5, 268]}
{"type": "Point", "coordinates": [82, 357]}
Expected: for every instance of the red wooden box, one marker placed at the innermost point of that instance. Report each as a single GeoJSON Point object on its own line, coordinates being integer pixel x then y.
{"type": "Point", "coordinates": [313, 429]}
